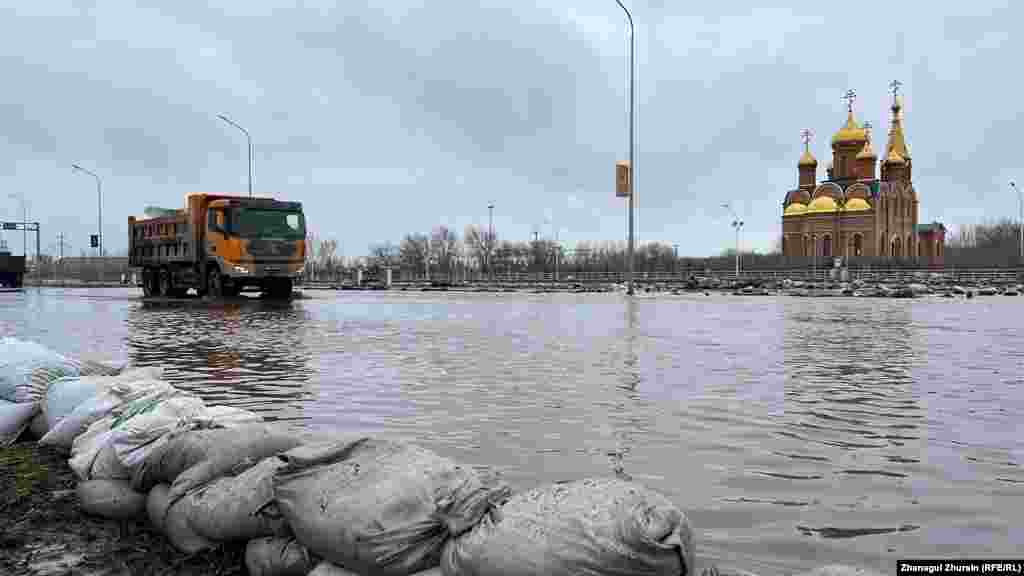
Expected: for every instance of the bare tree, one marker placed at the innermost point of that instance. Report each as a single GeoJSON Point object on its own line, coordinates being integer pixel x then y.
{"type": "Point", "coordinates": [414, 251]}
{"type": "Point", "coordinates": [443, 247]}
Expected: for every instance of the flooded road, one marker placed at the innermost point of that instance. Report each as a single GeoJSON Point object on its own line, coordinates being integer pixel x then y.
{"type": "Point", "coordinates": [793, 431]}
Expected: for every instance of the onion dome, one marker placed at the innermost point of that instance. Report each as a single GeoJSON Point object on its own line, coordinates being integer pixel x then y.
{"type": "Point", "coordinates": [897, 141]}
{"type": "Point", "coordinates": [867, 153]}
{"type": "Point", "coordinates": [822, 204]}
{"type": "Point", "coordinates": [856, 205]}
{"type": "Point", "coordinates": [795, 209]}
{"type": "Point", "coordinates": [798, 196]}
{"type": "Point", "coordinates": [807, 159]}
{"type": "Point", "coordinates": [850, 133]}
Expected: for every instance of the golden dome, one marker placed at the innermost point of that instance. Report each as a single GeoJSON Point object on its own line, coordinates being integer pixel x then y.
{"type": "Point", "coordinates": [856, 205]}
{"type": "Point", "coordinates": [807, 159]}
{"type": "Point", "coordinates": [795, 209]}
{"type": "Point", "coordinates": [894, 158]}
{"type": "Point", "coordinates": [822, 204]}
{"type": "Point", "coordinates": [850, 133]}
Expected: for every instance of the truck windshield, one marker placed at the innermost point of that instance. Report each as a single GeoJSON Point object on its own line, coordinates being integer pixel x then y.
{"type": "Point", "coordinates": [260, 223]}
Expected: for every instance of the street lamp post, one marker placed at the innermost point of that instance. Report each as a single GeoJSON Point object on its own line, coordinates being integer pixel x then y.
{"type": "Point", "coordinates": [1020, 204]}
{"type": "Point", "coordinates": [99, 210]}
{"type": "Point", "coordinates": [737, 224]}
{"type": "Point", "coordinates": [632, 160]}
{"type": "Point", "coordinates": [248, 140]}
{"type": "Point", "coordinates": [490, 242]}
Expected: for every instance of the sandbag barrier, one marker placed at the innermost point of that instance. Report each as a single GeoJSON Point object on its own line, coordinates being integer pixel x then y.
{"type": "Point", "coordinates": [353, 506]}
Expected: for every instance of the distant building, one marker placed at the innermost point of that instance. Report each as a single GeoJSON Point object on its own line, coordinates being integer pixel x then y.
{"type": "Point", "coordinates": [855, 212]}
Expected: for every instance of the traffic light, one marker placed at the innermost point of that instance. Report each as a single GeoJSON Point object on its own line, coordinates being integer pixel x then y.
{"type": "Point", "coordinates": [94, 240]}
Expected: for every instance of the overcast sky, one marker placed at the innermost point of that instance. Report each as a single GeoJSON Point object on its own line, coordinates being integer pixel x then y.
{"type": "Point", "coordinates": [391, 117]}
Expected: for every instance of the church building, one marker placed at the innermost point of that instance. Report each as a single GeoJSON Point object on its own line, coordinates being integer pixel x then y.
{"type": "Point", "coordinates": [856, 212]}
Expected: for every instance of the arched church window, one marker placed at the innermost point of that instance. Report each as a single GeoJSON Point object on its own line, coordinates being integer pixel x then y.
{"type": "Point", "coordinates": [826, 247]}
{"type": "Point", "coordinates": [858, 245]}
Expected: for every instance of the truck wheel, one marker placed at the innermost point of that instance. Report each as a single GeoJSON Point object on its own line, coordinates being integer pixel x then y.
{"type": "Point", "coordinates": [280, 289]}
{"type": "Point", "coordinates": [214, 283]}
{"type": "Point", "coordinates": [230, 289]}
{"type": "Point", "coordinates": [147, 283]}
{"type": "Point", "coordinates": [164, 285]}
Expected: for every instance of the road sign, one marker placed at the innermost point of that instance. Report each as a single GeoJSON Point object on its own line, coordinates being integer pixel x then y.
{"type": "Point", "coordinates": [94, 240]}
{"type": "Point", "coordinates": [623, 179]}
{"type": "Point", "coordinates": [10, 226]}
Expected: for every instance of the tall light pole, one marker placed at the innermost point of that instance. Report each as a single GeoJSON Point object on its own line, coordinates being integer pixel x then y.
{"type": "Point", "coordinates": [248, 140]}
{"type": "Point", "coordinates": [99, 206]}
{"type": "Point", "coordinates": [490, 242]}
{"type": "Point", "coordinates": [1020, 204]}
{"type": "Point", "coordinates": [737, 224]}
{"type": "Point", "coordinates": [632, 159]}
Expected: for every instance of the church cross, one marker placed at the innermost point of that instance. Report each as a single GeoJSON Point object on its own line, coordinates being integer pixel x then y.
{"type": "Point", "coordinates": [894, 87]}
{"type": "Point", "coordinates": [805, 136]}
{"type": "Point", "coordinates": [850, 96]}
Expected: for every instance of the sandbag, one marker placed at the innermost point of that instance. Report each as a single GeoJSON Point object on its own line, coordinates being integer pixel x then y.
{"type": "Point", "coordinates": [227, 417]}
{"type": "Point", "coordinates": [189, 459]}
{"type": "Point", "coordinates": [66, 394]}
{"type": "Point", "coordinates": [113, 499]}
{"type": "Point", "coordinates": [27, 369]}
{"type": "Point", "coordinates": [138, 436]}
{"type": "Point", "coordinates": [171, 522]}
{"type": "Point", "coordinates": [328, 569]}
{"type": "Point", "coordinates": [38, 425]}
{"type": "Point", "coordinates": [238, 507]}
{"type": "Point", "coordinates": [596, 527]}
{"type": "Point", "coordinates": [377, 506]}
{"type": "Point", "coordinates": [276, 556]}
{"type": "Point", "coordinates": [116, 395]}
{"type": "Point", "coordinates": [14, 418]}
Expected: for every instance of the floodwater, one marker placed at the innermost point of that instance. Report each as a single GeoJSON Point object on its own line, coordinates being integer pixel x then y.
{"type": "Point", "coordinates": [793, 431]}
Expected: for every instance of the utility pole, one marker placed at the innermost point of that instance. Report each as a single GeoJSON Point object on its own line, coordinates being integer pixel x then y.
{"type": "Point", "coordinates": [490, 242]}
{"type": "Point", "coordinates": [1020, 204]}
{"type": "Point", "coordinates": [248, 140]}
{"type": "Point", "coordinates": [737, 224]}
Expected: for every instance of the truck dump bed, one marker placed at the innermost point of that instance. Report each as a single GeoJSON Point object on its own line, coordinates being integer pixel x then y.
{"type": "Point", "coordinates": [162, 240]}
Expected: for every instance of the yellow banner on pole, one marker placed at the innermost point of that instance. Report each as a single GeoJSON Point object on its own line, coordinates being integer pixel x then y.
{"type": "Point", "coordinates": [623, 179]}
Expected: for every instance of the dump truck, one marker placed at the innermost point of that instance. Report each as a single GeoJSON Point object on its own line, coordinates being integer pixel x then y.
{"type": "Point", "coordinates": [220, 245]}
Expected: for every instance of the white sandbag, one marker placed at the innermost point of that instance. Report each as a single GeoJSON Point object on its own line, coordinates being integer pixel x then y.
{"type": "Point", "coordinates": [94, 368]}
{"type": "Point", "coordinates": [63, 433]}
{"type": "Point", "coordinates": [92, 452]}
{"type": "Point", "coordinates": [227, 417]}
{"type": "Point", "coordinates": [596, 527]}
{"type": "Point", "coordinates": [137, 437]}
{"type": "Point", "coordinates": [238, 507]}
{"type": "Point", "coordinates": [14, 418]}
{"type": "Point", "coordinates": [115, 392]}
{"type": "Point", "coordinates": [171, 522]}
{"type": "Point", "coordinates": [112, 499]}
{"type": "Point", "coordinates": [328, 569]}
{"type": "Point", "coordinates": [66, 394]}
{"type": "Point", "coordinates": [27, 369]}
{"type": "Point", "coordinates": [277, 556]}
{"type": "Point", "coordinates": [377, 506]}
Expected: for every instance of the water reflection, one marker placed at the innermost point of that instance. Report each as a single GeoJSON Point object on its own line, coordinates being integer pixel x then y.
{"type": "Point", "coordinates": [248, 354]}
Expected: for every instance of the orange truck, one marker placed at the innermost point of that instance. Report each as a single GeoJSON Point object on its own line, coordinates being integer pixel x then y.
{"type": "Point", "coordinates": [219, 245]}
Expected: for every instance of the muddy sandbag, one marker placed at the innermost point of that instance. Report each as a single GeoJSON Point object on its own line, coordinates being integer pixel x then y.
{"type": "Point", "coordinates": [328, 569]}
{"type": "Point", "coordinates": [113, 499]}
{"type": "Point", "coordinates": [191, 458]}
{"type": "Point", "coordinates": [596, 527]}
{"type": "Point", "coordinates": [170, 520]}
{"type": "Point", "coordinates": [143, 433]}
{"type": "Point", "coordinates": [227, 417]}
{"type": "Point", "coordinates": [277, 556]}
{"type": "Point", "coordinates": [14, 418]}
{"type": "Point", "coordinates": [238, 507]}
{"type": "Point", "coordinates": [28, 368]}
{"type": "Point", "coordinates": [378, 506]}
